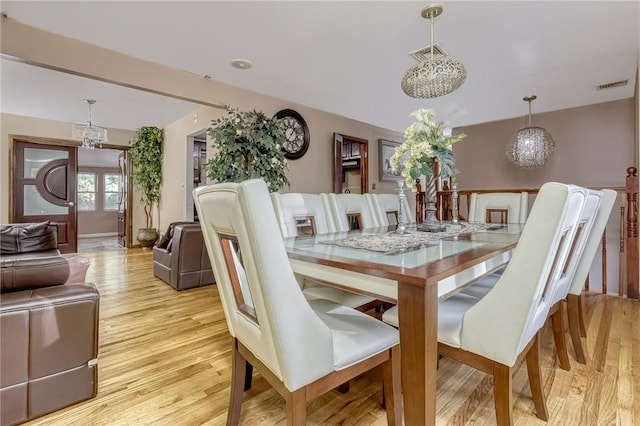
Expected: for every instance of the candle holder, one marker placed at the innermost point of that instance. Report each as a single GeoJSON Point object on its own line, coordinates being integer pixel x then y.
{"type": "Point", "coordinates": [455, 220]}
{"type": "Point", "coordinates": [402, 215]}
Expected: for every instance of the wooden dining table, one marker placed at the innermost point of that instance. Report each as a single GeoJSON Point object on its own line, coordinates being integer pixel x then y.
{"type": "Point", "coordinates": [416, 279]}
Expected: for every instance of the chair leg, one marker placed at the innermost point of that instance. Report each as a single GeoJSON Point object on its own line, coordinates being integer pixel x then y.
{"type": "Point", "coordinates": [573, 313]}
{"type": "Point", "coordinates": [343, 388]}
{"type": "Point", "coordinates": [583, 329]}
{"type": "Point", "coordinates": [248, 378]}
{"type": "Point", "coordinates": [238, 372]}
{"type": "Point", "coordinates": [296, 408]}
{"type": "Point", "coordinates": [392, 397]}
{"type": "Point", "coordinates": [558, 336]}
{"type": "Point", "coordinates": [535, 379]}
{"type": "Point", "coordinates": [502, 395]}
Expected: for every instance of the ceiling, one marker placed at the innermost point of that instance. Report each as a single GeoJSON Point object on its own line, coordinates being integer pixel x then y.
{"type": "Point", "coordinates": [344, 57]}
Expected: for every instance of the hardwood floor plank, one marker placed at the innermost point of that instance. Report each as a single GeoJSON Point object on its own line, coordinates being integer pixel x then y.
{"type": "Point", "coordinates": [165, 359]}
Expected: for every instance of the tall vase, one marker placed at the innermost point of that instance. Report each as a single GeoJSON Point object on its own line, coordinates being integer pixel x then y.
{"type": "Point", "coordinates": [431, 222]}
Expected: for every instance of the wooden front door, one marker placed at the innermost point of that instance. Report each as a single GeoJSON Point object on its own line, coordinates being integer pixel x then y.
{"type": "Point", "coordinates": [44, 189]}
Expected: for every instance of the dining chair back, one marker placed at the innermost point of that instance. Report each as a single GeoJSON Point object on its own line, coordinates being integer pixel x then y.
{"type": "Point", "coordinates": [302, 349]}
{"type": "Point", "coordinates": [499, 207]}
{"type": "Point", "coordinates": [583, 231]}
{"type": "Point", "coordinates": [523, 292]}
{"type": "Point", "coordinates": [384, 205]}
{"type": "Point", "coordinates": [299, 213]}
{"type": "Point", "coordinates": [497, 332]}
{"type": "Point", "coordinates": [352, 211]}
{"type": "Point", "coordinates": [574, 304]}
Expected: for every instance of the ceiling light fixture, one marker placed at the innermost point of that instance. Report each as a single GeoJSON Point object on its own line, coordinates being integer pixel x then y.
{"type": "Point", "coordinates": [531, 146]}
{"type": "Point", "coordinates": [435, 76]}
{"type": "Point", "coordinates": [90, 135]}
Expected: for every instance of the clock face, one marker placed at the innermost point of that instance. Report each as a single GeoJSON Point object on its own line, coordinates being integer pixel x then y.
{"type": "Point", "coordinates": [296, 134]}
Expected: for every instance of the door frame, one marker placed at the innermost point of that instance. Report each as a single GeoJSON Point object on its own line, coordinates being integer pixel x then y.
{"type": "Point", "coordinates": [338, 140]}
{"type": "Point", "coordinates": [67, 143]}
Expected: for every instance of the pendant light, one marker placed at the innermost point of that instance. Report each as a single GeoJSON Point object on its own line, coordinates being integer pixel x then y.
{"type": "Point", "coordinates": [531, 146]}
{"type": "Point", "coordinates": [435, 76]}
{"type": "Point", "coordinates": [90, 135]}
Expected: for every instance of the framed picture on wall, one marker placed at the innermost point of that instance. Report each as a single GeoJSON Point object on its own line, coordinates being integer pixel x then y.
{"type": "Point", "coordinates": [386, 150]}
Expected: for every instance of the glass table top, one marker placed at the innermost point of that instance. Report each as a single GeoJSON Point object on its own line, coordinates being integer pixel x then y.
{"type": "Point", "coordinates": [412, 257]}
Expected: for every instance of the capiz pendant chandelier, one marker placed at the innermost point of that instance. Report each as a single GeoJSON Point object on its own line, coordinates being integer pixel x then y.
{"type": "Point", "coordinates": [436, 76]}
{"type": "Point", "coordinates": [90, 135]}
{"type": "Point", "coordinates": [531, 146]}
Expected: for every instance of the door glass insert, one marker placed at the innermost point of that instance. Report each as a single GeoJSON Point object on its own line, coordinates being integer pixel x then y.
{"type": "Point", "coordinates": [35, 159]}
{"type": "Point", "coordinates": [35, 205]}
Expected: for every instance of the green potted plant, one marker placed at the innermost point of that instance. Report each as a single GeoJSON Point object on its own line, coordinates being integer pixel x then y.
{"type": "Point", "coordinates": [247, 146]}
{"type": "Point", "coordinates": [146, 157]}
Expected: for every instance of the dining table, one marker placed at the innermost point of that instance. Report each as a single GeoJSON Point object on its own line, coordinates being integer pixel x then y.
{"type": "Point", "coordinates": [414, 269]}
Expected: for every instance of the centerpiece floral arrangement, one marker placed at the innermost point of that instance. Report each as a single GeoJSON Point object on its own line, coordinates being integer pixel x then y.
{"type": "Point", "coordinates": [425, 143]}
{"type": "Point", "coordinates": [247, 146]}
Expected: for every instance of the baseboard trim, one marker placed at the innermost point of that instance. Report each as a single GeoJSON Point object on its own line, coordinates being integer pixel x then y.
{"type": "Point", "coordinates": [105, 234]}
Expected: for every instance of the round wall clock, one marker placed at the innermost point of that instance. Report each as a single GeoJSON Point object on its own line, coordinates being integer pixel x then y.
{"type": "Point", "coordinates": [296, 134]}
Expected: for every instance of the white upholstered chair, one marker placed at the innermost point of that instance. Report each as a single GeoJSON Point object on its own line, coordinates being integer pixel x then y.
{"type": "Point", "coordinates": [352, 211]}
{"type": "Point", "coordinates": [497, 332]}
{"type": "Point", "coordinates": [565, 277]}
{"type": "Point", "coordinates": [385, 204]}
{"type": "Point", "coordinates": [303, 212]}
{"type": "Point", "coordinates": [574, 305]}
{"type": "Point", "coordinates": [302, 349]}
{"type": "Point", "coordinates": [505, 206]}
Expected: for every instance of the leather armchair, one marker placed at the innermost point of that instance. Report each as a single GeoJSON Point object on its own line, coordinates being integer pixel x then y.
{"type": "Point", "coordinates": [48, 327]}
{"type": "Point", "coordinates": [184, 262]}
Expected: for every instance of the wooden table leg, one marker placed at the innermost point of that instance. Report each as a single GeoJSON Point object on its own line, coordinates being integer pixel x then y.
{"type": "Point", "coordinates": [418, 320]}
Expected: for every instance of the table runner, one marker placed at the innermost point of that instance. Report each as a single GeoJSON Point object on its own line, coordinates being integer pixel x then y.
{"type": "Point", "coordinates": [391, 242]}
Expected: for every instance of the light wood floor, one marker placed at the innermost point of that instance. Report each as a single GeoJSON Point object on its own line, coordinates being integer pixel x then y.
{"type": "Point", "coordinates": [164, 359]}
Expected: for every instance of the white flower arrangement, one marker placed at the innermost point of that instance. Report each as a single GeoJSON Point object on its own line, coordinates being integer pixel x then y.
{"type": "Point", "coordinates": [426, 143]}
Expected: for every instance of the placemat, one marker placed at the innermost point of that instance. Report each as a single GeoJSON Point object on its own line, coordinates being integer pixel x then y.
{"type": "Point", "coordinates": [391, 242]}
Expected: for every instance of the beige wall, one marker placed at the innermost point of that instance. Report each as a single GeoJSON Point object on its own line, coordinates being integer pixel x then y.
{"type": "Point", "coordinates": [594, 146]}
{"type": "Point", "coordinates": [311, 173]}
{"type": "Point", "coordinates": [27, 126]}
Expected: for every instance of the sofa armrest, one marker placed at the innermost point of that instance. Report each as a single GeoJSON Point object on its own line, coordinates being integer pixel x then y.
{"type": "Point", "coordinates": [29, 272]}
{"type": "Point", "coordinates": [78, 267]}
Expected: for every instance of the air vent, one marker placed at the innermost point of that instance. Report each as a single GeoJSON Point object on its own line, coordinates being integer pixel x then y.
{"type": "Point", "coordinates": [611, 85]}
{"type": "Point", "coordinates": [424, 54]}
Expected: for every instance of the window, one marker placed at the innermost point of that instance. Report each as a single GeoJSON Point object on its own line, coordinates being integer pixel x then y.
{"type": "Point", "coordinates": [111, 191]}
{"type": "Point", "coordinates": [86, 191]}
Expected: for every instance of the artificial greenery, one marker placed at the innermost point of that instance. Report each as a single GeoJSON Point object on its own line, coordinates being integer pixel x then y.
{"type": "Point", "coordinates": [146, 157]}
{"type": "Point", "coordinates": [425, 143]}
{"type": "Point", "coordinates": [247, 146]}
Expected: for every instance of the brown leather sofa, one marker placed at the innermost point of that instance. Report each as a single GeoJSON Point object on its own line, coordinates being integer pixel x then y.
{"type": "Point", "coordinates": [180, 258]}
{"type": "Point", "coordinates": [48, 325]}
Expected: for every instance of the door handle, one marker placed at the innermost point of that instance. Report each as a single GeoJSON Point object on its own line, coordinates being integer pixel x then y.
{"type": "Point", "coordinates": [71, 204]}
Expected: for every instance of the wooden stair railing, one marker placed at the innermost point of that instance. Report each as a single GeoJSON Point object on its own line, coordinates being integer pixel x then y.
{"type": "Point", "coordinates": [628, 250]}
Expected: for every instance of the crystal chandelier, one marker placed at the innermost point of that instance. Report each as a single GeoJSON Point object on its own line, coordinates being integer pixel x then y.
{"type": "Point", "coordinates": [90, 135]}
{"type": "Point", "coordinates": [531, 146]}
{"type": "Point", "coordinates": [436, 76]}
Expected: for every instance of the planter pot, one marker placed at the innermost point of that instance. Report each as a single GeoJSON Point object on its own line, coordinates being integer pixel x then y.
{"type": "Point", "coordinates": [147, 236]}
